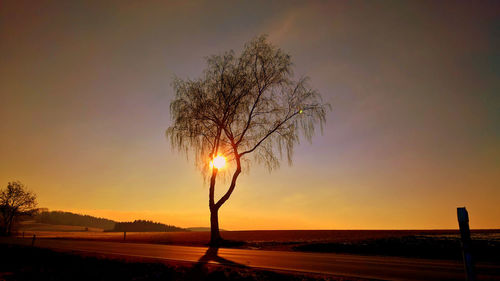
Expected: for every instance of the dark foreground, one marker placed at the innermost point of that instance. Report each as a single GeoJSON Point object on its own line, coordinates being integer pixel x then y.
{"type": "Point", "coordinates": [31, 263]}
{"type": "Point", "coordinates": [245, 264]}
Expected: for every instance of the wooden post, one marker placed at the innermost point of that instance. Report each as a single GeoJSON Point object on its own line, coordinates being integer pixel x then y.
{"type": "Point", "coordinates": [33, 241]}
{"type": "Point", "coordinates": [463, 222]}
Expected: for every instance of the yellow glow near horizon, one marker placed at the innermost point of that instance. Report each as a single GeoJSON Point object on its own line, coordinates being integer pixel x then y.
{"type": "Point", "coordinates": [218, 162]}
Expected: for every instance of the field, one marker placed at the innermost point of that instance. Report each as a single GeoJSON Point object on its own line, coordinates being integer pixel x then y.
{"type": "Point", "coordinates": [31, 227]}
{"type": "Point", "coordinates": [439, 244]}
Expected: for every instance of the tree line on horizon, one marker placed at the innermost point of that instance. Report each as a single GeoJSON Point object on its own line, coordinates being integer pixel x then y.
{"type": "Point", "coordinates": [145, 226]}
{"type": "Point", "coordinates": [18, 203]}
{"type": "Point", "coordinates": [68, 218]}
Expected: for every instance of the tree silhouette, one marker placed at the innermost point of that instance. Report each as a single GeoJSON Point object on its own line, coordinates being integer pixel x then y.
{"type": "Point", "coordinates": [145, 226]}
{"type": "Point", "coordinates": [243, 108]}
{"type": "Point", "coordinates": [15, 201]}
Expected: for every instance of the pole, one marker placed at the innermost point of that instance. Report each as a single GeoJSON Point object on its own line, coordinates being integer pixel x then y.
{"type": "Point", "coordinates": [33, 241]}
{"type": "Point", "coordinates": [463, 223]}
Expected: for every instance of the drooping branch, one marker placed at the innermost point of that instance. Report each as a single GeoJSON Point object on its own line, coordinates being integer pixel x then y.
{"type": "Point", "coordinates": [248, 103]}
{"type": "Point", "coordinates": [269, 133]}
{"type": "Point", "coordinates": [250, 116]}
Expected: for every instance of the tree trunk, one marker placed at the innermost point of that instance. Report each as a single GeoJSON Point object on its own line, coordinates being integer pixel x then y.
{"type": "Point", "coordinates": [215, 237]}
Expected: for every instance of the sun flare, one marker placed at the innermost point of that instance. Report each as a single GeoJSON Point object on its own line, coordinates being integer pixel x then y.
{"type": "Point", "coordinates": [218, 162]}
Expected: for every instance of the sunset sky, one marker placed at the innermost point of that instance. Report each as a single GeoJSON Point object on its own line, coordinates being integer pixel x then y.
{"type": "Point", "coordinates": [85, 89]}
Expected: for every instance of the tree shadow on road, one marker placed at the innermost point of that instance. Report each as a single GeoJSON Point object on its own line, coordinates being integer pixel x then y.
{"type": "Point", "coordinates": [200, 271]}
{"type": "Point", "coordinates": [212, 254]}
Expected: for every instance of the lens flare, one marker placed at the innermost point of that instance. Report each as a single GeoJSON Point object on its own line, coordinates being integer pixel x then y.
{"type": "Point", "coordinates": [218, 162]}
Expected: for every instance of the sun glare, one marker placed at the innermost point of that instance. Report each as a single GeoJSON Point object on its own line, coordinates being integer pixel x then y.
{"type": "Point", "coordinates": [218, 162]}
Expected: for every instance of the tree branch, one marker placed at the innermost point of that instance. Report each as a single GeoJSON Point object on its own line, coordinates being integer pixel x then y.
{"type": "Point", "coordinates": [269, 133]}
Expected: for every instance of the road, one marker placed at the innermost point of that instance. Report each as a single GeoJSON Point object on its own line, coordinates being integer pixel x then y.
{"type": "Point", "coordinates": [372, 267]}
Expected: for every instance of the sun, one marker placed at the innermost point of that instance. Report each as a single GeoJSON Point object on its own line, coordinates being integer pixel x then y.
{"type": "Point", "coordinates": [218, 162]}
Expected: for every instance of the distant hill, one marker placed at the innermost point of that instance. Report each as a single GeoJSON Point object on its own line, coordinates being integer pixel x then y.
{"type": "Point", "coordinates": [145, 226]}
{"type": "Point", "coordinates": [67, 218]}
{"type": "Point", "coordinates": [72, 219]}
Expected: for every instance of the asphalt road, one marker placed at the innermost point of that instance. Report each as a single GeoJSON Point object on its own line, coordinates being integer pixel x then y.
{"type": "Point", "coordinates": [373, 267]}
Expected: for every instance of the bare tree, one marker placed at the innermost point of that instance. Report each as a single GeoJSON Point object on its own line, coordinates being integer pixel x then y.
{"type": "Point", "coordinates": [15, 201]}
{"type": "Point", "coordinates": [243, 108]}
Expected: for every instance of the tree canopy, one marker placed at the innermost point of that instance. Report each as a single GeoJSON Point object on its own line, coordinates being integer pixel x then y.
{"type": "Point", "coordinates": [244, 104]}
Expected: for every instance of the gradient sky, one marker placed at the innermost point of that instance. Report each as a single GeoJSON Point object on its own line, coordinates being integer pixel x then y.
{"type": "Point", "coordinates": [414, 132]}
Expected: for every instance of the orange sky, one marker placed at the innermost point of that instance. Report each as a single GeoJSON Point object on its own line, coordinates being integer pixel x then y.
{"type": "Point", "coordinates": [85, 92]}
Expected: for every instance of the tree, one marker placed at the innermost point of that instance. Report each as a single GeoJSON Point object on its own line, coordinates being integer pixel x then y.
{"type": "Point", "coordinates": [15, 201]}
{"type": "Point", "coordinates": [243, 108]}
